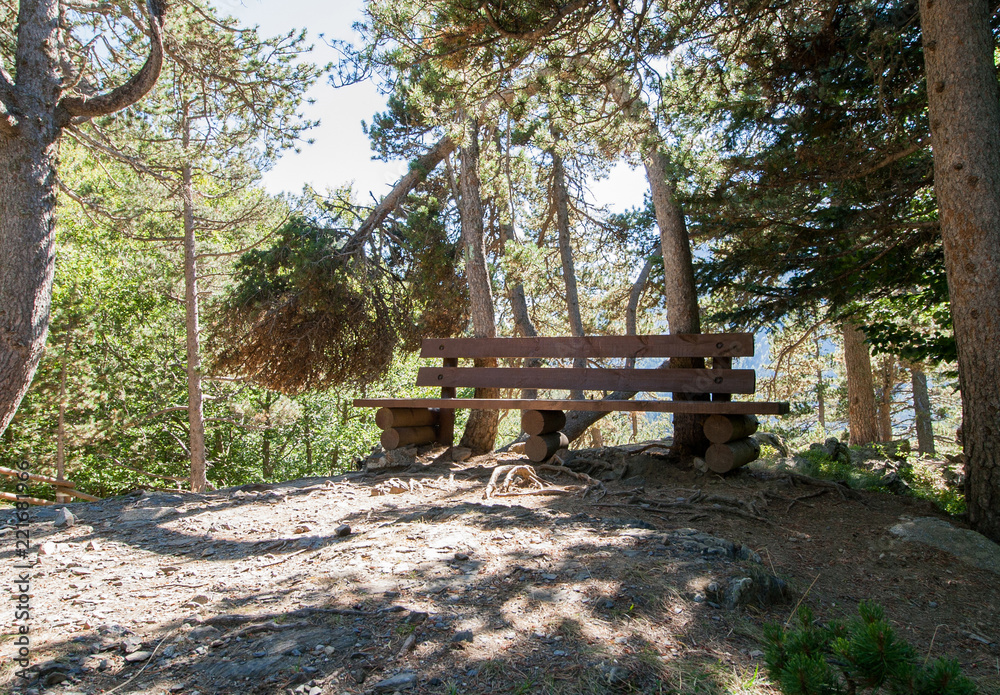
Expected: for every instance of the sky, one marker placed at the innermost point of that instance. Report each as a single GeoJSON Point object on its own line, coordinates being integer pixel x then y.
{"type": "Point", "coordinates": [340, 152]}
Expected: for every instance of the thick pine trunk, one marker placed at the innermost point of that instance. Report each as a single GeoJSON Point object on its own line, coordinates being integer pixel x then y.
{"type": "Point", "coordinates": [862, 419]}
{"type": "Point", "coordinates": [964, 110]}
{"type": "Point", "coordinates": [481, 428]}
{"type": "Point", "coordinates": [679, 288]}
{"type": "Point", "coordinates": [560, 194]}
{"type": "Point", "coordinates": [922, 412]}
{"type": "Point", "coordinates": [27, 204]}
{"type": "Point", "coordinates": [196, 416]}
{"type": "Point", "coordinates": [31, 115]}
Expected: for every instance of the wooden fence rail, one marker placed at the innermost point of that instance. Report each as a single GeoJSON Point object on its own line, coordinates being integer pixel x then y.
{"type": "Point", "coordinates": [63, 487]}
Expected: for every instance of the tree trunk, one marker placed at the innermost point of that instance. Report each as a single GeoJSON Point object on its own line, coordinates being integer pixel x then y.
{"type": "Point", "coordinates": [266, 466]}
{"type": "Point", "coordinates": [964, 110]}
{"type": "Point", "coordinates": [31, 116]}
{"type": "Point", "coordinates": [887, 377]}
{"type": "Point", "coordinates": [561, 199]}
{"type": "Point", "coordinates": [27, 206]}
{"type": "Point", "coordinates": [861, 416]}
{"type": "Point", "coordinates": [196, 416]}
{"type": "Point", "coordinates": [679, 289]}
{"type": "Point", "coordinates": [61, 426]}
{"type": "Point", "coordinates": [820, 393]}
{"type": "Point", "coordinates": [922, 412]}
{"type": "Point", "coordinates": [519, 312]}
{"type": "Point", "coordinates": [481, 428]}
{"type": "Point", "coordinates": [307, 434]}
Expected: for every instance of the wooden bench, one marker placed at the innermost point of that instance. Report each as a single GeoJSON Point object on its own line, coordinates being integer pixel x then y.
{"type": "Point", "coordinates": [728, 425]}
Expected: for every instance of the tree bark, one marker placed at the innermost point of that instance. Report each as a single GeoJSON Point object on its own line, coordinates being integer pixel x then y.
{"type": "Point", "coordinates": [560, 194]}
{"type": "Point", "coordinates": [964, 110]}
{"type": "Point", "coordinates": [820, 393]}
{"type": "Point", "coordinates": [266, 467]}
{"type": "Point", "coordinates": [887, 377]}
{"type": "Point", "coordinates": [861, 415]}
{"type": "Point", "coordinates": [922, 412]}
{"type": "Point", "coordinates": [481, 428]}
{"type": "Point", "coordinates": [679, 288]}
{"type": "Point", "coordinates": [519, 312]}
{"type": "Point", "coordinates": [196, 415]}
{"type": "Point", "coordinates": [31, 118]}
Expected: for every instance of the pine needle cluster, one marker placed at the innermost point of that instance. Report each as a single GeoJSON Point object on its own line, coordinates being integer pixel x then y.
{"type": "Point", "coordinates": [863, 655]}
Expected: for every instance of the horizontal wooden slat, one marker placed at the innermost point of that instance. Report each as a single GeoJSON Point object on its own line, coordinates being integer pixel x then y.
{"type": "Point", "coordinates": [652, 380]}
{"type": "Point", "coordinates": [706, 407]}
{"type": "Point", "coordinates": [679, 345]}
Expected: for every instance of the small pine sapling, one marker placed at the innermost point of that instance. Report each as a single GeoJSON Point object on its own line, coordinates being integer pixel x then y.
{"type": "Point", "coordinates": [863, 655]}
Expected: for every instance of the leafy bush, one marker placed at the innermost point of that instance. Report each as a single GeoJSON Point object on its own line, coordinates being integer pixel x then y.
{"type": "Point", "coordinates": [860, 656]}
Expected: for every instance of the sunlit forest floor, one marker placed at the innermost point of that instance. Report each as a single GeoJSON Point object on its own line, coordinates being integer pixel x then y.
{"type": "Point", "coordinates": [658, 582]}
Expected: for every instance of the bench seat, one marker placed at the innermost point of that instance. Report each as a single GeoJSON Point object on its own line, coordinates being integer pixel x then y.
{"type": "Point", "coordinates": [601, 406]}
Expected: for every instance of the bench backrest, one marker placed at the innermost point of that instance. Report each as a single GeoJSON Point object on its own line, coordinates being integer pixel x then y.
{"type": "Point", "coordinates": [721, 379]}
{"type": "Point", "coordinates": [625, 346]}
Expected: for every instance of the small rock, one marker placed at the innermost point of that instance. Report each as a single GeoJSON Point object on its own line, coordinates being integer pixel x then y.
{"type": "Point", "coordinates": [199, 599]}
{"type": "Point", "coordinates": [699, 598]}
{"type": "Point", "coordinates": [615, 675]}
{"type": "Point", "coordinates": [342, 531]}
{"type": "Point", "coordinates": [55, 678]}
{"type": "Point", "coordinates": [302, 528]}
{"type": "Point", "coordinates": [137, 656]}
{"type": "Point", "coordinates": [92, 546]}
{"type": "Point", "coordinates": [462, 636]}
{"type": "Point", "coordinates": [203, 633]}
{"type": "Point", "coordinates": [48, 548]}
{"type": "Point", "coordinates": [461, 557]}
{"type": "Point", "coordinates": [401, 681]}
{"type": "Point", "coordinates": [64, 518]}
{"type": "Point", "coordinates": [460, 453]}
{"type": "Point", "coordinates": [416, 617]}
{"type": "Point", "coordinates": [549, 577]}
{"type": "Point", "coordinates": [131, 644]}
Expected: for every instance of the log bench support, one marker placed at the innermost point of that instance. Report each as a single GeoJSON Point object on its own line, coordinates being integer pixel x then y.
{"type": "Point", "coordinates": [731, 444]}
{"type": "Point", "coordinates": [405, 426]}
{"type": "Point", "coordinates": [544, 435]}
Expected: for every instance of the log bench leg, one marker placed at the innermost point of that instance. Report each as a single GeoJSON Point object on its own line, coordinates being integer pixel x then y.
{"type": "Point", "coordinates": [722, 458]}
{"type": "Point", "coordinates": [405, 426]}
{"type": "Point", "coordinates": [725, 428]}
{"type": "Point", "coordinates": [732, 446]}
{"type": "Point", "coordinates": [544, 438]}
{"type": "Point", "coordinates": [541, 447]}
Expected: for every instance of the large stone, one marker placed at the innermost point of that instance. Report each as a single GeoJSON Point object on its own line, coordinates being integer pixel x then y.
{"type": "Point", "coordinates": [968, 546]}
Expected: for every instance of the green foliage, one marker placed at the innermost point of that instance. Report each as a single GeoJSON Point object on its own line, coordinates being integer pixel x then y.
{"type": "Point", "coordinates": [863, 655]}
{"type": "Point", "coordinates": [916, 474]}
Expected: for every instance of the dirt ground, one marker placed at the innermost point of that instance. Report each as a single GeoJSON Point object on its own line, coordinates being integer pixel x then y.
{"type": "Point", "coordinates": [658, 583]}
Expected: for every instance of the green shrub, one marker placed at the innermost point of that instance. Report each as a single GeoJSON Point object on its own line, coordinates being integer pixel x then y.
{"type": "Point", "coordinates": [860, 656]}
